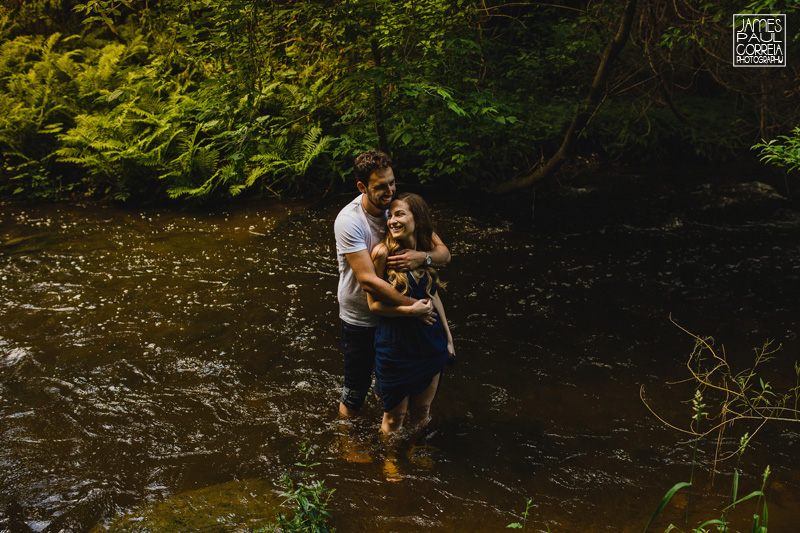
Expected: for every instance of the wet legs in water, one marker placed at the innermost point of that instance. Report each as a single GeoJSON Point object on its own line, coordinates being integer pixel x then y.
{"type": "Point", "coordinates": [417, 406]}
{"type": "Point", "coordinates": [417, 409]}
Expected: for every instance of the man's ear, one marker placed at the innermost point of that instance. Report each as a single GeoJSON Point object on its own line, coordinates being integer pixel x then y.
{"type": "Point", "coordinates": [361, 187]}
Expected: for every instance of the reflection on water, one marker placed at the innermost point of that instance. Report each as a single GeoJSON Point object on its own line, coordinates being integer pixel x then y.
{"type": "Point", "coordinates": [146, 354]}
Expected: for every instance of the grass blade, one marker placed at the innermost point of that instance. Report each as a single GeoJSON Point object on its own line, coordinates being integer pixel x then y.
{"type": "Point", "coordinates": [754, 494]}
{"type": "Point", "coordinates": [735, 486]}
{"type": "Point", "coordinates": [667, 497]}
{"type": "Point", "coordinates": [714, 522]}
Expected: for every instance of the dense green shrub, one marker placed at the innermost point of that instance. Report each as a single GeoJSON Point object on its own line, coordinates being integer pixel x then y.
{"type": "Point", "coordinates": [203, 99]}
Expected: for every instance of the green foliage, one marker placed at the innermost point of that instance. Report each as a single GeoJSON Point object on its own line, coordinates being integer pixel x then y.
{"type": "Point", "coordinates": [116, 118]}
{"type": "Point", "coordinates": [783, 151]}
{"type": "Point", "coordinates": [140, 139]}
{"type": "Point", "coordinates": [665, 500]}
{"type": "Point", "coordinates": [524, 524]}
{"type": "Point", "coordinates": [203, 99]}
{"type": "Point", "coordinates": [308, 497]}
{"type": "Point", "coordinates": [644, 132]}
{"type": "Point", "coordinates": [742, 397]}
{"type": "Point", "coordinates": [37, 101]}
{"type": "Point", "coordinates": [36, 17]}
{"type": "Point", "coordinates": [760, 516]}
{"type": "Point", "coordinates": [279, 97]}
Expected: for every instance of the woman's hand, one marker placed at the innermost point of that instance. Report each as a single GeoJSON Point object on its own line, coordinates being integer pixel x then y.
{"type": "Point", "coordinates": [451, 350]}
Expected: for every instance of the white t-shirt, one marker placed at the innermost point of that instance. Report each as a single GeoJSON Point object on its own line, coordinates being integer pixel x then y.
{"type": "Point", "coordinates": [355, 230]}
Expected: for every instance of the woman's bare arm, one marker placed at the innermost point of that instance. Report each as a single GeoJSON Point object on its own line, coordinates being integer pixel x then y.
{"type": "Point", "coordinates": [422, 309]}
{"type": "Point", "coordinates": [437, 303]}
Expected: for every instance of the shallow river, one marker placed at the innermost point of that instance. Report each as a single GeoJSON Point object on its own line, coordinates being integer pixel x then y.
{"type": "Point", "coordinates": [149, 357]}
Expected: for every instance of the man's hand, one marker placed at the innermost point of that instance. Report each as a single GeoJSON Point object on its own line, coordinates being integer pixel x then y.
{"type": "Point", "coordinates": [405, 260]}
{"type": "Point", "coordinates": [424, 310]}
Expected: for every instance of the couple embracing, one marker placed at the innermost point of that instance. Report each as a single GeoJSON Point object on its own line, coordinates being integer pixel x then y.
{"type": "Point", "coordinates": [391, 313]}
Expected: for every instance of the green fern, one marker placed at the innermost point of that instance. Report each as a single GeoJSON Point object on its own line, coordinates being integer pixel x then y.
{"type": "Point", "coordinates": [312, 145]}
{"type": "Point", "coordinates": [126, 122]}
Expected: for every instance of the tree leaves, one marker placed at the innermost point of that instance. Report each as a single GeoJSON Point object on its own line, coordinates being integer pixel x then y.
{"type": "Point", "coordinates": [278, 96]}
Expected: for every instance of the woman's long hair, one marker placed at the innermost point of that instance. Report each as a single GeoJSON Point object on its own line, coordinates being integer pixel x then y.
{"type": "Point", "coordinates": [423, 229]}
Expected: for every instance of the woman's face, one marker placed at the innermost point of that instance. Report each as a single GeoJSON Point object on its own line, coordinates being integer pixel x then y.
{"type": "Point", "coordinates": [400, 221]}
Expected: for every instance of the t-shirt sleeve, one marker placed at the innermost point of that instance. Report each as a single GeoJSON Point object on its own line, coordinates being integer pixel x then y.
{"type": "Point", "coordinates": [350, 235]}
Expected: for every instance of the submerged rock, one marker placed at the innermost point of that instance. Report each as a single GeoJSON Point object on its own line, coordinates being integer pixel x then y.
{"type": "Point", "coordinates": [233, 506]}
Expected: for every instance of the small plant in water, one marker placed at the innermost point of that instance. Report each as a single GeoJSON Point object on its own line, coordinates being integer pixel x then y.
{"type": "Point", "coordinates": [309, 497]}
{"type": "Point", "coordinates": [524, 524]}
{"type": "Point", "coordinates": [744, 396]}
{"type": "Point", "coordinates": [760, 516]}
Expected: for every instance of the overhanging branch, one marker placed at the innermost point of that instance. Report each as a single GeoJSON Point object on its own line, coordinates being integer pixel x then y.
{"type": "Point", "coordinates": [584, 112]}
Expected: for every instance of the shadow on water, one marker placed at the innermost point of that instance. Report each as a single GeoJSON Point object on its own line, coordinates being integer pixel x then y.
{"type": "Point", "coordinates": [151, 358]}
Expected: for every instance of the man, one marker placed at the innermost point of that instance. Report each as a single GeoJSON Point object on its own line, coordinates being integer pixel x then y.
{"type": "Point", "coordinates": [359, 226]}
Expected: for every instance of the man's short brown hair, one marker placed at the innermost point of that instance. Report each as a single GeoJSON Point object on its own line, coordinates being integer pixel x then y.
{"type": "Point", "coordinates": [368, 162]}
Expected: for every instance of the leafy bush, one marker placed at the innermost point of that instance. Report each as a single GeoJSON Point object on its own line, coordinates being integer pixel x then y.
{"type": "Point", "coordinates": [203, 99]}
{"type": "Point", "coordinates": [308, 497]}
{"type": "Point", "coordinates": [783, 151]}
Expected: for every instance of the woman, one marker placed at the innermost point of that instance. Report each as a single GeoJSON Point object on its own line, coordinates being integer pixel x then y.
{"type": "Point", "coordinates": [410, 354]}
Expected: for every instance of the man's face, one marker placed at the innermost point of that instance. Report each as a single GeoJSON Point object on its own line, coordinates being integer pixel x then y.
{"type": "Point", "coordinates": [381, 188]}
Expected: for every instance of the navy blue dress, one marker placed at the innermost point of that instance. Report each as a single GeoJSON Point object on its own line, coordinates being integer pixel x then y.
{"type": "Point", "coordinates": [408, 352]}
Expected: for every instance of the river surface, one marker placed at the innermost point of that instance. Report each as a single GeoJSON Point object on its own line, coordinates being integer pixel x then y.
{"type": "Point", "coordinates": [147, 354]}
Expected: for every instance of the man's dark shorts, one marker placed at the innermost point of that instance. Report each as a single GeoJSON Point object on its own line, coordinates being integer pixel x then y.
{"type": "Point", "coordinates": [358, 343]}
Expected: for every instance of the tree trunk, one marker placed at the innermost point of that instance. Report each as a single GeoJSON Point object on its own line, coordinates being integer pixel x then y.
{"type": "Point", "coordinates": [585, 110]}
